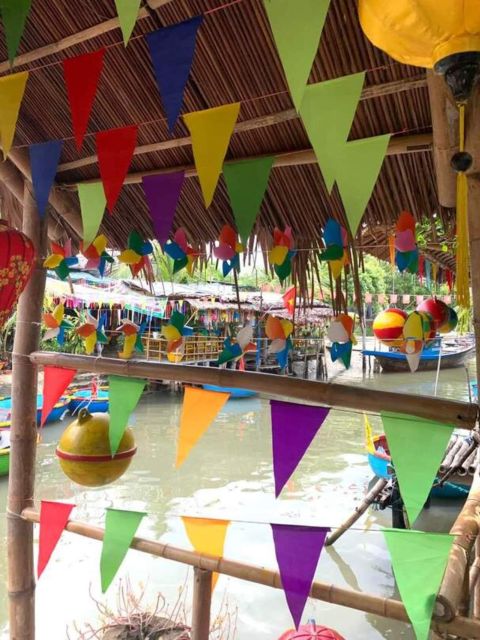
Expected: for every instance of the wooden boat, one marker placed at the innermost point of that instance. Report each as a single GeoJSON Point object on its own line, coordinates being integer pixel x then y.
{"type": "Point", "coordinates": [56, 414]}
{"type": "Point", "coordinates": [396, 362]}
{"type": "Point", "coordinates": [95, 401]}
{"type": "Point", "coordinates": [233, 391]}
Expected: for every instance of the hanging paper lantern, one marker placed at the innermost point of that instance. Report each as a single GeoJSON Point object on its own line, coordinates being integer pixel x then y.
{"type": "Point", "coordinates": [17, 259]}
{"type": "Point", "coordinates": [437, 309]}
{"type": "Point", "coordinates": [84, 451]}
{"type": "Point", "coordinates": [388, 326]}
{"type": "Point", "coordinates": [311, 631]}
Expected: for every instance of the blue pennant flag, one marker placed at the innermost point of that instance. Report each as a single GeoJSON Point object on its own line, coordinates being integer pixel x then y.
{"type": "Point", "coordinates": [172, 50]}
{"type": "Point", "coordinates": [44, 159]}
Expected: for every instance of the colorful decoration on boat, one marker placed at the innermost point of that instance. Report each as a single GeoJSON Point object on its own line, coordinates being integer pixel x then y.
{"type": "Point", "coordinates": [17, 259]}
{"type": "Point", "coordinates": [335, 239]}
{"type": "Point", "coordinates": [282, 253]}
{"type": "Point", "coordinates": [279, 331]}
{"type": "Point", "coordinates": [176, 331]}
{"type": "Point", "coordinates": [132, 340]}
{"type": "Point", "coordinates": [207, 537]}
{"type": "Point", "coordinates": [340, 333]}
{"type": "Point", "coordinates": [97, 255]}
{"type": "Point", "coordinates": [53, 520]}
{"type": "Point", "coordinates": [84, 450]}
{"type": "Point", "coordinates": [182, 254]}
{"type": "Point", "coordinates": [311, 631]}
{"type": "Point", "coordinates": [12, 89]}
{"type": "Point", "coordinates": [137, 255]}
{"type": "Point", "coordinates": [56, 381]}
{"type": "Point", "coordinates": [93, 332]}
{"type": "Point", "coordinates": [388, 326]}
{"type": "Point", "coordinates": [406, 251]}
{"type": "Point", "coordinates": [233, 351]}
{"type": "Point", "coordinates": [124, 396]}
{"type": "Point", "coordinates": [228, 250]}
{"type": "Point", "coordinates": [120, 529]}
{"type": "Point", "coordinates": [61, 260]}
{"type": "Point", "coordinates": [56, 324]}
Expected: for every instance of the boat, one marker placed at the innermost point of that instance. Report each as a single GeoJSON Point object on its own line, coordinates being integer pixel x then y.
{"type": "Point", "coordinates": [96, 401]}
{"type": "Point", "coordinates": [380, 463]}
{"type": "Point", "coordinates": [396, 362]}
{"type": "Point", "coordinates": [234, 392]}
{"type": "Point", "coordinates": [4, 453]}
{"type": "Point", "coordinates": [57, 412]}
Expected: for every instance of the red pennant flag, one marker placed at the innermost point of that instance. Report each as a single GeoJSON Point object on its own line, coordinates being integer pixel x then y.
{"type": "Point", "coordinates": [82, 75]}
{"type": "Point", "coordinates": [115, 149]}
{"type": "Point", "coordinates": [53, 520]}
{"type": "Point", "coordinates": [55, 381]}
{"type": "Point", "coordinates": [289, 299]}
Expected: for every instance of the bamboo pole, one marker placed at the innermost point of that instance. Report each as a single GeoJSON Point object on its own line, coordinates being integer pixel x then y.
{"type": "Point", "coordinates": [385, 607]}
{"type": "Point", "coordinates": [202, 602]}
{"type": "Point", "coordinates": [23, 435]}
{"type": "Point", "coordinates": [474, 582]}
{"type": "Point", "coordinates": [445, 411]}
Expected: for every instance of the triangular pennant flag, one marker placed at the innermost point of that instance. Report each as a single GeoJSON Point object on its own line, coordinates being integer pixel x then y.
{"type": "Point", "coordinates": [297, 27]}
{"type": "Point", "coordinates": [92, 207]}
{"type": "Point", "coordinates": [294, 426]}
{"type": "Point", "coordinates": [172, 50]}
{"type": "Point", "coordinates": [207, 536]}
{"type": "Point", "coordinates": [357, 173]}
{"type": "Point", "coordinates": [82, 75]}
{"type": "Point", "coordinates": [418, 560]}
{"type": "Point", "coordinates": [127, 11]}
{"type": "Point", "coordinates": [120, 529]}
{"type": "Point", "coordinates": [199, 410]}
{"type": "Point", "coordinates": [44, 159]}
{"type": "Point", "coordinates": [211, 131]}
{"type": "Point", "coordinates": [327, 112]}
{"type": "Point", "coordinates": [431, 438]}
{"type": "Point", "coordinates": [53, 519]}
{"type": "Point", "coordinates": [297, 550]}
{"type": "Point", "coordinates": [124, 396]}
{"type": "Point", "coordinates": [12, 88]}
{"type": "Point", "coordinates": [162, 193]}
{"type": "Point", "coordinates": [115, 149]}
{"type": "Point", "coordinates": [14, 15]}
{"type": "Point", "coordinates": [55, 382]}
{"type": "Point", "coordinates": [247, 181]}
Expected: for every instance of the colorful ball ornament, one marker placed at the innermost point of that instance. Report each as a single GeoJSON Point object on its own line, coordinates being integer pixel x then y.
{"type": "Point", "coordinates": [84, 451]}
{"type": "Point", "coordinates": [388, 326]}
{"type": "Point", "coordinates": [451, 323]}
{"type": "Point", "coordinates": [437, 309]}
{"type": "Point", "coordinates": [311, 631]}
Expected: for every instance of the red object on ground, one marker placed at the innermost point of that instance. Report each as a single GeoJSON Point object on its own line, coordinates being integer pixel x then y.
{"type": "Point", "coordinates": [311, 631]}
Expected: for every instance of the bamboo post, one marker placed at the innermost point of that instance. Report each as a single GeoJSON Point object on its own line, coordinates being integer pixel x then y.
{"type": "Point", "coordinates": [475, 582]}
{"type": "Point", "coordinates": [23, 438]}
{"type": "Point", "coordinates": [202, 601]}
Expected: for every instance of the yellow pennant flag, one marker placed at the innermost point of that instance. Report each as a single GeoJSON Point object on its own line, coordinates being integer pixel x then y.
{"type": "Point", "coordinates": [207, 536]}
{"type": "Point", "coordinates": [199, 410]}
{"type": "Point", "coordinates": [211, 131]}
{"type": "Point", "coordinates": [369, 444]}
{"type": "Point", "coordinates": [12, 88]}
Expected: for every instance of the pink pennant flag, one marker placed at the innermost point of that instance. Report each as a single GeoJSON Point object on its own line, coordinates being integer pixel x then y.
{"type": "Point", "coordinates": [55, 382]}
{"type": "Point", "coordinates": [115, 149]}
{"type": "Point", "coordinates": [393, 298]}
{"type": "Point", "coordinates": [53, 520]}
{"type": "Point", "coordinates": [406, 298]}
{"type": "Point", "coordinates": [368, 298]}
{"type": "Point", "coordinates": [419, 299]}
{"type": "Point", "coordinates": [381, 298]}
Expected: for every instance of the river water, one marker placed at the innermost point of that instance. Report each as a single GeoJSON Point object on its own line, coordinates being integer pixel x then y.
{"type": "Point", "coordinates": [229, 475]}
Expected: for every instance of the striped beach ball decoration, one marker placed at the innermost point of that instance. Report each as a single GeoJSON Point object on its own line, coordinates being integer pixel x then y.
{"type": "Point", "coordinates": [388, 326]}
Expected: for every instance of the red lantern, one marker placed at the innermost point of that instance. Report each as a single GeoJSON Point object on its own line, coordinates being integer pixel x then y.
{"type": "Point", "coordinates": [17, 258]}
{"type": "Point", "coordinates": [311, 631]}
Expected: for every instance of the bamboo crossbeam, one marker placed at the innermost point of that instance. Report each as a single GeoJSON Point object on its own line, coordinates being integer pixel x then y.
{"type": "Point", "coordinates": [460, 414]}
{"type": "Point", "coordinates": [398, 145]}
{"type": "Point", "coordinates": [260, 122]}
{"type": "Point", "coordinates": [385, 607]}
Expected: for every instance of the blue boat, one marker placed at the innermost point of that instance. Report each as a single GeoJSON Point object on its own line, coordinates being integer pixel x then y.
{"type": "Point", "coordinates": [233, 391]}
{"type": "Point", "coordinates": [56, 414]}
{"type": "Point", "coordinates": [95, 403]}
{"type": "Point", "coordinates": [395, 361]}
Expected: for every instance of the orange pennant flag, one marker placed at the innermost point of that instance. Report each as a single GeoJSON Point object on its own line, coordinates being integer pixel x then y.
{"type": "Point", "coordinates": [199, 410]}
{"type": "Point", "coordinates": [207, 536]}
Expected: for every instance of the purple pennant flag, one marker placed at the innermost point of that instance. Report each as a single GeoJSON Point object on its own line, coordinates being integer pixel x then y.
{"type": "Point", "coordinates": [44, 159]}
{"type": "Point", "coordinates": [297, 550]}
{"type": "Point", "coordinates": [172, 49]}
{"type": "Point", "coordinates": [294, 426]}
{"type": "Point", "coordinates": [162, 193]}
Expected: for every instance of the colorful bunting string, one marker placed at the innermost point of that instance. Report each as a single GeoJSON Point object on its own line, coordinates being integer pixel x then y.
{"type": "Point", "coordinates": [124, 396]}
{"type": "Point", "coordinates": [207, 537]}
{"type": "Point", "coordinates": [53, 520]}
{"type": "Point", "coordinates": [115, 149]}
{"type": "Point", "coordinates": [92, 207]}
{"type": "Point", "coordinates": [44, 159]}
{"type": "Point", "coordinates": [14, 16]}
{"type": "Point", "coordinates": [55, 382]}
{"type": "Point", "coordinates": [127, 11]}
{"type": "Point", "coordinates": [12, 89]}
{"type": "Point", "coordinates": [162, 193]}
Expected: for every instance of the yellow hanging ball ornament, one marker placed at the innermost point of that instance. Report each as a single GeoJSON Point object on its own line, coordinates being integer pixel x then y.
{"type": "Point", "coordinates": [84, 451]}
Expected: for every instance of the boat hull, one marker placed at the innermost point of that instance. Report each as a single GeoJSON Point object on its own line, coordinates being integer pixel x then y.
{"type": "Point", "coordinates": [395, 362]}
{"type": "Point", "coordinates": [56, 414]}
{"type": "Point", "coordinates": [233, 391]}
{"type": "Point", "coordinates": [83, 399]}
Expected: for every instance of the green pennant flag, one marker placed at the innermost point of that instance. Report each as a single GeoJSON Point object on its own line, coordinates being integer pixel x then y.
{"type": "Point", "coordinates": [297, 27]}
{"type": "Point", "coordinates": [417, 447]}
{"type": "Point", "coordinates": [120, 529]}
{"type": "Point", "coordinates": [127, 11]}
{"type": "Point", "coordinates": [327, 112]}
{"type": "Point", "coordinates": [92, 206]}
{"type": "Point", "coordinates": [124, 396]}
{"type": "Point", "coordinates": [357, 173]}
{"type": "Point", "coordinates": [247, 182]}
{"type": "Point", "coordinates": [418, 561]}
{"type": "Point", "coordinates": [14, 15]}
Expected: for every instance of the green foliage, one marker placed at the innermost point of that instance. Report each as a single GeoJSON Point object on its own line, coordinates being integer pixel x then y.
{"type": "Point", "coordinates": [465, 319]}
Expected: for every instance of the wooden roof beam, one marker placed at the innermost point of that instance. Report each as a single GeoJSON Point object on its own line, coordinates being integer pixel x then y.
{"type": "Point", "coordinates": [374, 91]}
{"type": "Point", "coordinates": [398, 145]}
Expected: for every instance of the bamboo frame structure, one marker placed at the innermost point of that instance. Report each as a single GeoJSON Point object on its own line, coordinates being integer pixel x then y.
{"type": "Point", "coordinates": [461, 414]}
{"type": "Point", "coordinates": [385, 607]}
{"type": "Point", "coordinates": [202, 600]}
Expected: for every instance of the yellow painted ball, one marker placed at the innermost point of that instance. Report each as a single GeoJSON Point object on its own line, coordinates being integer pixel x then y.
{"type": "Point", "coordinates": [84, 451]}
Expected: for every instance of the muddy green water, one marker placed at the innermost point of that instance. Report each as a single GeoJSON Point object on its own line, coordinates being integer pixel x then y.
{"type": "Point", "coordinates": [229, 475]}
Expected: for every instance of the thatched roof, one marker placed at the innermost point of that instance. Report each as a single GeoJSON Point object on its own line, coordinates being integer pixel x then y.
{"type": "Point", "coordinates": [236, 60]}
